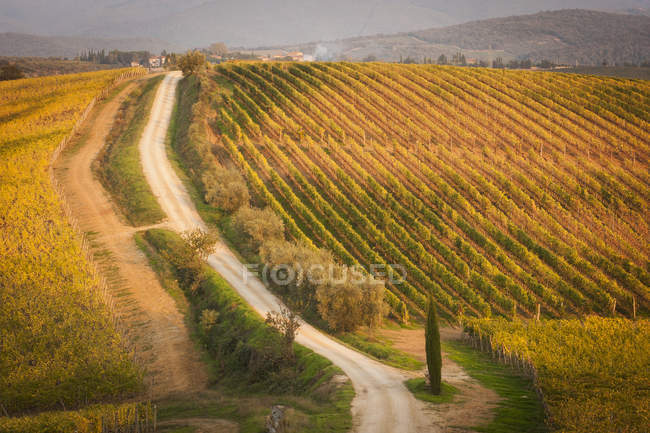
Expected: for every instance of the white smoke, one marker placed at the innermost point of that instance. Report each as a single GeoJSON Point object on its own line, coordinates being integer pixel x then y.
{"type": "Point", "coordinates": [322, 53]}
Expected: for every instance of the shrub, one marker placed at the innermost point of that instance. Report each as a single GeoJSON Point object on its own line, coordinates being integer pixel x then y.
{"type": "Point", "coordinates": [347, 305]}
{"type": "Point", "coordinates": [188, 256]}
{"type": "Point", "coordinates": [226, 190]}
{"type": "Point", "coordinates": [258, 226]}
{"type": "Point", "coordinates": [191, 62]}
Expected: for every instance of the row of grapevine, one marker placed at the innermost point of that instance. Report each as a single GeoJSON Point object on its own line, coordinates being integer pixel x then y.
{"type": "Point", "coordinates": [60, 345]}
{"type": "Point", "coordinates": [380, 162]}
{"type": "Point", "coordinates": [592, 373]}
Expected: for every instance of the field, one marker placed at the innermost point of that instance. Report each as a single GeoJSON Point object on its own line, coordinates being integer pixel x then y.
{"type": "Point", "coordinates": [497, 191]}
{"type": "Point", "coordinates": [518, 199]}
{"type": "Point", "coordinates": [60, 349]}
{"type": "Point", "coordinates": [40, 66]}
{"type": "Point", "coordinates": [633, 72]}
{"type": "Point", "coordinates": [593, 373]}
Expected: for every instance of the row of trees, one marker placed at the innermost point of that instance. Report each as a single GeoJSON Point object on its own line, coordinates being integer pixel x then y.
{"type": "Point", "coordinates": [10, 72]}
{"type": "Point", "coordinates": [115, 57]}
{"type": "Point", "coordinates": [309, 278]}
{"type": "Point", "coordinates": [459, 59]}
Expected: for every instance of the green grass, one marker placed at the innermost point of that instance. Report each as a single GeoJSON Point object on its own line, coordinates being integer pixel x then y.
{"type": "Point", "coordinates": [211, 215]}
{"type": "Point", "coordinates": [380, 349]}
{"type": "Point", "coordinates": [245, 358]}
{"type": "Point", "coordinates": [520, 409]}
{"type": "Point", "coordinates": [159, 267]}
{"type": "Point", "coordinates": [118, 165]}
{"type": "Point", "coordinates": [420, 389]}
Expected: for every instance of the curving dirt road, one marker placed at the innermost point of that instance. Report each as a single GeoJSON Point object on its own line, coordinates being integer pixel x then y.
{"type": "Point", "coordinates": [156, 327]}
{"type": "Point", "coordinates": [382, 403]}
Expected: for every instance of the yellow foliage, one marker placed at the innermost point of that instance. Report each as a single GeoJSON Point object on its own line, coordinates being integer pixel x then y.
{"type": "Point", "coordinates": [58, 343]}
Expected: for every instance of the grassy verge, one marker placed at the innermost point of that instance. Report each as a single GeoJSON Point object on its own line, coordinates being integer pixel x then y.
{"type": "Point", "coordinates": [421, 390]}
{"type": "Point", "coordinates": [380, 349]}
{"type": "Point", "coordinates": [519, 410]}
{"type": "Point", "coordinates": [249, 369]}
{"type": "Point", "coordinates": [118, 165]}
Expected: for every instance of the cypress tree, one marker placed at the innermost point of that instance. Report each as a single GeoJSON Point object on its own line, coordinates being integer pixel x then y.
{"type": "Point", "coordinates": [434, 356]}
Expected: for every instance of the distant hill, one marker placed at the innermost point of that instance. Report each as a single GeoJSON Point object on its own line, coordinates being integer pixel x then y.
{"type": "Point", "coordinates": [42, 66]}
{"type": "Point", "coordinates": [25, 45]}
{"type": "Point", "coordinates": [250, 23]}
{"type": "Point", "coordinates": [564, 36]}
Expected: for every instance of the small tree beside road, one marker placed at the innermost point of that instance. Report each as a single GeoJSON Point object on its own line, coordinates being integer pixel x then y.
{"type": "Point", "coordinates": [434, 355]}
{"type": "Point", "coordinates": [287, 322]}
{"type": "Point", "coordinates": [191, 62]}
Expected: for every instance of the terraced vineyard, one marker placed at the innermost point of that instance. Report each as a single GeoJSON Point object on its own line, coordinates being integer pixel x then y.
{"type": "Point", "coordinates": [59, 346]}
{"type": "Point", "coordinates": [495, 190]}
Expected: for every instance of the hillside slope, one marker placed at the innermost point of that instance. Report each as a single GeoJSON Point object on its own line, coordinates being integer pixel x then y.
{"type": "Point", "coordinates": [568, 35]}
{"type": "Point", "coordinates": [27, 45]}
{"type": "Point", "coordinates": [60, 347]}
{"type": "Point", "coordinates": [495, 191]}
{"type": "Point", "coordinates": [563, 36]}
{"type": "Point", "coordinates": [273, 21]}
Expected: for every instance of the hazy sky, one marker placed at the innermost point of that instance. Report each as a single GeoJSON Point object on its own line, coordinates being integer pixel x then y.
{"type": "Point", "coordinates": [189, 23]}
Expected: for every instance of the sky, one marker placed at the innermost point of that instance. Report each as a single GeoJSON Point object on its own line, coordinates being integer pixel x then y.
{"type": "Point", "coordinates": [254, 23]}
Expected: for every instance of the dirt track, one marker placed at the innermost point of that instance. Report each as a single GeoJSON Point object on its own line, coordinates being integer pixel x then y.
{"type": "Point", "coordinates": [383, 404]}
{"type": "Point", "coordinates": [474, 403]}
{"type": "Point", "coordinates": [155, 324]}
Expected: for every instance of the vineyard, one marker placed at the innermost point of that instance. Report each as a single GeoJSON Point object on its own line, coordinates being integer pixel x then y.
{"type": "Point", "coordinates": [593, 373]}
{"type": "Point", "coordinates": [59, 345]}
{"type": "Point", "coordinates": [499, 192]}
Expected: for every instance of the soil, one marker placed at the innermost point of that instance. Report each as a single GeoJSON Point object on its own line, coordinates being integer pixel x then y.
{"type": "Point", "coordinates": [155, 326]}
{"type": "Point", "coordinates": [474, 403]}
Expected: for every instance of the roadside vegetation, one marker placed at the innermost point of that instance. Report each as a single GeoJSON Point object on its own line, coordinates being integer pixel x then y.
{"type": "Point", "coordinates": [368, 341]}
{"type": "Point", "coordinates": [496, 202]}
{"type": "Point", "coordinates": [250, 359]}
{"type": "Point", "coordinates": [421, 389]}
{"type": "Point", "coordinates": [260, 235]}
{"type": "Point", "coordinates": [118, 165]}
{"type": "Point", "coordinates": [60, 348]}
{"type": "Point", "coordinates": [520, 408]}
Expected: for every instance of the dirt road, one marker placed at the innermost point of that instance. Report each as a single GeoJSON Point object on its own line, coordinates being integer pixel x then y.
{"type": "Point", "coordinates": [474, 403]}
{"type": "Point", "coordinates": [382, 404]}
{"type": "Point", "coordinates": [155, 325]}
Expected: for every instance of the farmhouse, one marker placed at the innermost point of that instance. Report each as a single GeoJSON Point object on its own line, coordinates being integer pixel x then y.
{"type": "Point", "coordinates": [156, 61]}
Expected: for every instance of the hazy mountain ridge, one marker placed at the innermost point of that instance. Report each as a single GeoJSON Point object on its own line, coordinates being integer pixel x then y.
{"type": "Point", "coordinates": [25, 45]}
{"type": "Point", "coordinates": [263, 22]}
{"type": "Point", "coordinates": [564, 36]}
